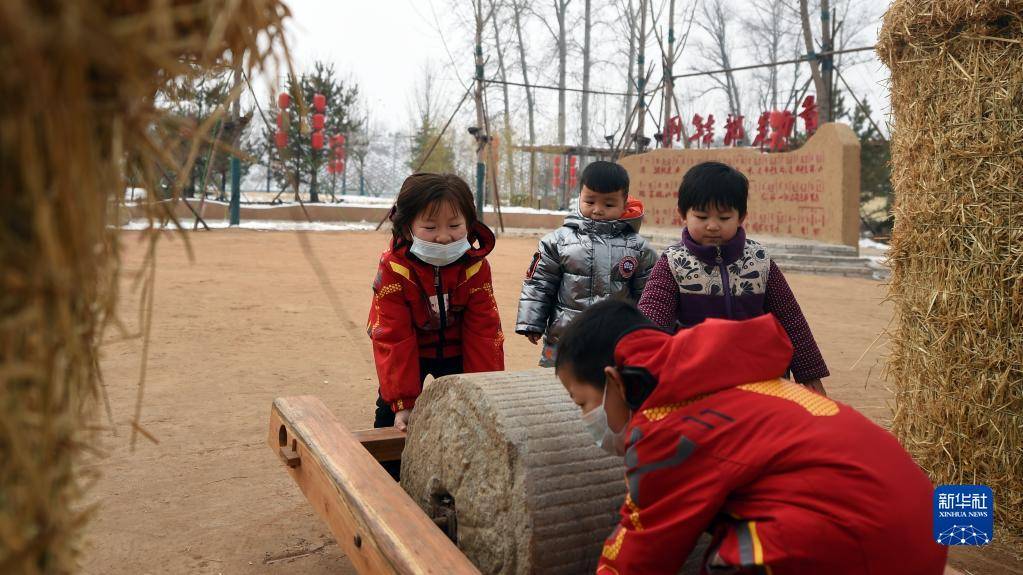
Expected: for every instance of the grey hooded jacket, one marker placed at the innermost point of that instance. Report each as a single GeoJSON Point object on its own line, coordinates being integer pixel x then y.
{"type": "Point", "coordinates": [579, 264]}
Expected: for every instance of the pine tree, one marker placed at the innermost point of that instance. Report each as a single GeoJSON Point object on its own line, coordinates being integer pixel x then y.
{"type": "Point", "coordinates": [442, 158]}
{"type": "Point", "coordinates": [193, 99]}
{"type": "Point", "coordinates": [299, 165]}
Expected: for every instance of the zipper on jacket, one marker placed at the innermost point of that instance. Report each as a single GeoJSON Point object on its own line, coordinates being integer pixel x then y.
{"type": "Point", "coordinates": [439, 289]}
{"type": "Point", "coordinates": [724, 282]}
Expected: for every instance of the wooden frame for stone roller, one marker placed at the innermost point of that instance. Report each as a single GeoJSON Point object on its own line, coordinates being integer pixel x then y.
{"type": "Point", "coordinates": [379, 527]}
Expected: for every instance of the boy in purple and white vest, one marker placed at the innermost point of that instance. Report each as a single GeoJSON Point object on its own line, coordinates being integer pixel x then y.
{"type": "Point", "coordinates": [716, 272]}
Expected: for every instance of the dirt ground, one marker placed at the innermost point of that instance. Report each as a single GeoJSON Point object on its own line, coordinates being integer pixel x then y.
{"type": "Point", "coordinates": [248, 321]}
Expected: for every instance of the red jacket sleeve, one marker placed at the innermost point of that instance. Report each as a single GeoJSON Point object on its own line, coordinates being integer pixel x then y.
{"type": "Point", "coordinates": [395, 348]}
{"type": "Point", "coordinates": [675, 490]}
{"type": "Point", "coordinates": [482, 338]}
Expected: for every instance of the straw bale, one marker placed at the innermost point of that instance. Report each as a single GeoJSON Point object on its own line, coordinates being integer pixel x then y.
{"type": "Point", "coordinates": [957, 245]}
{"type": "Point", "coordinates": [915, 21]}
{"type": "Point", "coordinates": [78, 112]}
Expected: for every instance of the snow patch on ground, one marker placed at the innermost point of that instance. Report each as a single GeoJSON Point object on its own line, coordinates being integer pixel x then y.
{"type": "Point", "coordinates": [262, 225]}
{"type": "Point", "coordinates": [869, 243]}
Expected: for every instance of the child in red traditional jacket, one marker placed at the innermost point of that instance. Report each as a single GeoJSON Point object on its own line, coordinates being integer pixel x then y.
{"type": "Point", "coordinates": [786, 480]}
{"type": "Point", "coordinates": [433, 309]}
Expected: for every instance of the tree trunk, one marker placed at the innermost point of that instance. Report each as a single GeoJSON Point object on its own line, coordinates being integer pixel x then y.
{"type": "Point", "coordinates": [509, 168]}
{"type": "Point", "coordinates": [669, 84]}
{"type": "Point", "coordinates": [584, 116]}
{"type": "Point", "coordinates": [823, 103]}
{"type": "Point", "coordinates": [530, 104]}
{"type": "Point", "coordinates": [631, 76]}
{"type": "Point", "coordinates": [826, 68]}
{"type": "Point", "coordinates": [480, 120]}
{"type": "Point", "coordinates": [314, 194]}
{"type": "Point", "coordinates": [560, 8]}
{"type": "Point", "coordinates": [641, 74]}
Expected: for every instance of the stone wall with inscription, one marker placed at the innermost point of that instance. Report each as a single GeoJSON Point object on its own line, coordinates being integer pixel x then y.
{"type": "Point", "coordinates": [811, 193]}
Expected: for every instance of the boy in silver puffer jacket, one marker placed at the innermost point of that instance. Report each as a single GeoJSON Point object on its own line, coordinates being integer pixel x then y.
{"type": "Point", "coordinates": [595, 255]}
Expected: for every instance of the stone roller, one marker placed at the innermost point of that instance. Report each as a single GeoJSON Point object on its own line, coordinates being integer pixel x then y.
{"type": "Point", "coordinates": [503, 461]}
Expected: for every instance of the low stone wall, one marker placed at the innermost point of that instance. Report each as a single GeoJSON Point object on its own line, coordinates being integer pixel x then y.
{"type": "Point", "coordinates": [211, 210]}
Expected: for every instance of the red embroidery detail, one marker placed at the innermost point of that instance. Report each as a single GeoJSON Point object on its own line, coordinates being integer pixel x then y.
{"type": "Point", "coordinates": [627, 266]}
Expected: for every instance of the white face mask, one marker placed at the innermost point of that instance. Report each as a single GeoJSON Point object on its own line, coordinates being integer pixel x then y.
{"type": "Point", "coordinates": [439, 254]}
{"type": "Point", "coordinates": [595, 421]}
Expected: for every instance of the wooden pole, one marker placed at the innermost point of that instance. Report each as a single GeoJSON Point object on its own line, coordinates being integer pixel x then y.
{"type": "Point", "coordinates": [641, 65]}
{"type": "Point", "coordinates": [481, 167]}
{"type": "Point", "coordinates": [669, 84]}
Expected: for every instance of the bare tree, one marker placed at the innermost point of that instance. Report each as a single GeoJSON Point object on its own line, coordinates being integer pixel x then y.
{"type": "Point", "coordinates": [480, 21]}
{"type": "Point", "coordinates": [822, 86]}
{"type": "Point", "coordinates": [561, 14]}
{"type": "Point", "coordinates": [520, 11]}
{"type": "Point", "coordinates": [499, 48]}
{"type": "Point", "coordinates": [718, 50]}
{"type": "Point", "coordinates": [850, 21]}
{"type": "Point", "coordinates": [667, 65]}
{"type": "Point", "coordinates": [669, 56]}
{"type": "Point", "coordinates": [584, 113]}
{"type": "Point", "coordinates": [560, 38]}
{"type": "Point", "coordinates": [641, 84]}
{"type": "Point", "coordinates": [841, 23]}
{"type": "Point", "coordinates": [773, 27]}
{"type": "Point", "coordinates": [628, 17]}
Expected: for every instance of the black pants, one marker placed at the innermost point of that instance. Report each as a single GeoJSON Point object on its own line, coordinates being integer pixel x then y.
{"type": "Point", "coordinates": [384, 415]}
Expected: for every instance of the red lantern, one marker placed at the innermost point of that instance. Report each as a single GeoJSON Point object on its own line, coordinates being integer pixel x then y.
{"type": "Point", "coordinates": [281, 139]}
{"type": "Point", "coordinates": [317, 140]}
{"type": "Point", "coordinates": [283, 100]}
{"type": "Point", "coordinates": [318, 120]}
{"type": "Point", "coordinates": [339, 166]}
{"type": "Point", "coordinates": [319, 102]}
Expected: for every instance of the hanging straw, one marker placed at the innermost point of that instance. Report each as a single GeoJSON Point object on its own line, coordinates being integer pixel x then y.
{"type": "Point", "coordinates": [79, 90]}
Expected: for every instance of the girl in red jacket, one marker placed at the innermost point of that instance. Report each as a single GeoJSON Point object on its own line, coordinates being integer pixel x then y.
{"type": "Point", "coordinates": [433, 309]}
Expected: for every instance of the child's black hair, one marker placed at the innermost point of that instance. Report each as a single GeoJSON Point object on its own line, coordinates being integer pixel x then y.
{"type": "Point", "coordinates": [605, 178]}
{"type": "Point", "coordinates": [588, 344]}
{"type": "Point", "coordinates": [425, 191]}
{"type": "Point", "coordinates": [713, 184]}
